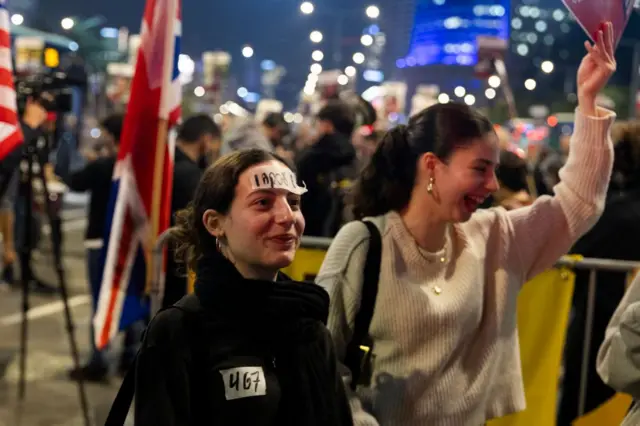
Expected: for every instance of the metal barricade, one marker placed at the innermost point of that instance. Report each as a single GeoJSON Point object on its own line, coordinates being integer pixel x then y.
{"type": "Point", "coordinates": [593, 265]}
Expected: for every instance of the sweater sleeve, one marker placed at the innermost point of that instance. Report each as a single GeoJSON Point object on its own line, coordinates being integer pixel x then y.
{"type": "Point", "coordinates": [543, 232]}
{"type": "Point", "coordinates": [618, 361]}
{"type": "Point", "coordinates": [341, 276]}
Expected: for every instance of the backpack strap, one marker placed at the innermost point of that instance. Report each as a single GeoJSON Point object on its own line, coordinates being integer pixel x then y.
{"type": "Point", "coordinates": [371, 274]}
{"type": "Point", "coordinates": [122, 402]}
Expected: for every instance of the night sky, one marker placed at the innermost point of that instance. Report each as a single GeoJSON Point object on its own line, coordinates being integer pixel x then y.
{"type": "Point", "coordinates": [207, 24]}
{"type": "Point", "coordinates": [274, 28]}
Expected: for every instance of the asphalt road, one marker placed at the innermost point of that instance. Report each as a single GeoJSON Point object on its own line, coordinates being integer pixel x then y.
{"type": "Point", "coordinates": [51, 399]}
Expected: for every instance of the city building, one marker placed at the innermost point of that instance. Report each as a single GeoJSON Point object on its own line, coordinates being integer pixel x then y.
{"type": "Point", "coordinates": [434, 42]}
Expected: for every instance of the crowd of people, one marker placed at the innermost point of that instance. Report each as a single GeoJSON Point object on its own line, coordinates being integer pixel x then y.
{"type": "Point", "coordinates": [436, 225]}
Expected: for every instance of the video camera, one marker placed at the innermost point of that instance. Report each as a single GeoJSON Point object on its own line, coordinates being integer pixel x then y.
{"type": "Point", "coordinates": [33, 86]}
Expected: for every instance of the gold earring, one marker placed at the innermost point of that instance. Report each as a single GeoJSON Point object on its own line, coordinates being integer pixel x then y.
{"type": "Point", "coordinates": [430, 186]}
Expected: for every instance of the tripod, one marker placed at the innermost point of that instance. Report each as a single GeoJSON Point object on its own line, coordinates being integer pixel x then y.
{"type": "Point", "coordinates": [30, 164]}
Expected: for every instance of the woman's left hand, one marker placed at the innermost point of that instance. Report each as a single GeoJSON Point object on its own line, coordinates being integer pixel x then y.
{"type": "Point", "coordinates": [596, 68]}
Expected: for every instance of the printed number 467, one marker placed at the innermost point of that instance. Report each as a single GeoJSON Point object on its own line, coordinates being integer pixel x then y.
{"type": "Point", "coordinates": [248, 379]}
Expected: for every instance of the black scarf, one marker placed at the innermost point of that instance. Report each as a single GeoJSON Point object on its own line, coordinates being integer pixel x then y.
{"type": "Point", "coordinates": [290, 317]}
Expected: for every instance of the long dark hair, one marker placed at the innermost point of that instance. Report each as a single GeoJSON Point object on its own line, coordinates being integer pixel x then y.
{"type": "Point", "coordinates": [386, 182]}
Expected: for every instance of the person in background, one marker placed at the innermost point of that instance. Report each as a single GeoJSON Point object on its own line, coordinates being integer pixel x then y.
{"type": "Point", "coordinates": [249, 346]}
{"type": "Point", "coordinates": [513, 176]}
{"type": "Point", "coordinates": [275, 128]}
{"type": "Point", "coordinates": [323, 166]}
{"type": "Point", "coordinates": [615, 236]}
{"type": "Point", "coordinates": [96, 177]}
{"type": "Point", "coordinates": [365, 141]}
{"type": "Point", "coordinates": [7, 223]}
{"type": "Point", "coordinates": [245, 133]}
{"type": "Point", "coordinates": [548, 165]}
{"type": "Point", "coordinates": [444, 327]}
{"type": "Point", "coordinates": [618, 361]}
{"type": "Point", "coordinates": [37, 122]}
{"type": "Point", "coordinates": [198, 141]}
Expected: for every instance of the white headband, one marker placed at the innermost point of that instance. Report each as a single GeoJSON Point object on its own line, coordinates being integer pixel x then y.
{"type": "Point", "coordinates": [276, 177]}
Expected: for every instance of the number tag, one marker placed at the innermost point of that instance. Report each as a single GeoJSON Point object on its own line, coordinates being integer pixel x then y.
{"type": "Point", "coordinates": [243, 382]}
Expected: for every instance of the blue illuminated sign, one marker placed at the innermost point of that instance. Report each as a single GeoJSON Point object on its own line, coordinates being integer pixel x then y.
{"type": "Point", "coordinates": [267, 65]}
{"type": "Point", "coordinates": [445, 31]}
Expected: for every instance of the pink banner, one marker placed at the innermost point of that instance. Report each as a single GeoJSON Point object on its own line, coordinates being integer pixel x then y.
{"type": "Point", "coordinates": [592, 14]}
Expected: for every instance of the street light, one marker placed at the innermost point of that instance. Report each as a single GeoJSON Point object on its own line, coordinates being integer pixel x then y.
{"type": "Point", "coordinates": [307, 8]}
{"type": "Point", "coordinates": [459, 91]}
{"type": "Point", "coordinates": [67, 23]}
{"type": "Point", "coordinates": [343, 80]}
{"type": "Point", "coordinates": [17, 19]}
{"type": "Point", "coordinates": [199, 91]}
{"type": "Point", "coordinates": [316, 69]}
{"type": "Point", "coordinates": [366, 40]}
{"type": "Point", "coordinates": [247, 51]}
{"type": "Point", "coordinates": [288, 117]}
{"type": "Point", "coordinates": [358, 58]}
{"type": "Point", "coordinates": [469, 99]}
{"type": "Point", "coordinates": [315, 36]}
{"type": "Point", "coordinates": [350, 71]}
{"type": "Point", "coordinates": [546, 67]}
{"type": "Point", "coordinates": [317, 55]}
{"type": "Point", "coordinates": [494, 81]}
{"type": "Point", "coordinates": [530, 84]}
{"type": "Point", "coordinates": [186, 65]}
{"type": "Point", "coordinates": [443, 98]}
{"type": "Point", "coordinates": [373, 12]}
{"type": "Point", "coordinates": [490, 93]}
{"type": "Point", "coordinates": [242, 92]}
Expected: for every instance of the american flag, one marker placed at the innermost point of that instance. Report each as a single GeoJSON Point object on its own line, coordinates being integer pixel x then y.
{"type": "Point", "coordinates": [140, 204]}
{"type": "Point", "coordinates": [10, 132]}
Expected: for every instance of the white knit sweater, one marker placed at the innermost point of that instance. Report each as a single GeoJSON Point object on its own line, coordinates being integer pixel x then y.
{"type": "Point", "coordinates": [453, 358]}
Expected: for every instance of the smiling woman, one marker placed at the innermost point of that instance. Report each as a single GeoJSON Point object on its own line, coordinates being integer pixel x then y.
{"type": "Point", "coordinates": [445, 342]}
{"type": "Point", "coordinates": [250, 345]}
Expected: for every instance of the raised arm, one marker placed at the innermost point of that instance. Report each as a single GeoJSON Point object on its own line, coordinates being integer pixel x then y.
{"type": "Point", "coordinates": [546, 230]}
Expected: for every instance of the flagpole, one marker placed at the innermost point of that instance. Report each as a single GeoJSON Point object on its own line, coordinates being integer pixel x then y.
{"type": "Point", "coordinates": [161, 143]}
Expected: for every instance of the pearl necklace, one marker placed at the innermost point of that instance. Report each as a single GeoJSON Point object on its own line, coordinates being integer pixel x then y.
{"type": "Point", "coordinates": [442, 259]}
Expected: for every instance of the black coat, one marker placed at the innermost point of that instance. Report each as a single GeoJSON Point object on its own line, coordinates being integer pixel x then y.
{"type": "Point", "coordinates": [241, 352]}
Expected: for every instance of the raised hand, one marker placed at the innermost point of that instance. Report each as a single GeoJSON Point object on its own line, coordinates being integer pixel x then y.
{"type": "Point", "coordinates": [596, 68]}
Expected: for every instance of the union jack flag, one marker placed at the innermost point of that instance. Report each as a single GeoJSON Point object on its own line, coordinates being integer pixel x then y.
{"type": "Point", "coordinates": [140, 205]}
{"type": "Point", "coordinates": [10, 132]}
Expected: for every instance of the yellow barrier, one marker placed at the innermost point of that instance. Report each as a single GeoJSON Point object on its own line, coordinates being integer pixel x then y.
{"type": "Point", "coordinates": [610, 413]}
{"type": "Point", "coordinates": [306, 265]}
{"type": "Point", "coordinates": [542, 339]}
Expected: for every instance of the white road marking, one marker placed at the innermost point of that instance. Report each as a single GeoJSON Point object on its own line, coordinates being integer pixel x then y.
{"type": "Point", "coordinates": [44, 310]}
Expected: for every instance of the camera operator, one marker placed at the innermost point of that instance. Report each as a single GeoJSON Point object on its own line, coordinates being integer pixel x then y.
{"type": "Point", "coordinates": [34, 123]}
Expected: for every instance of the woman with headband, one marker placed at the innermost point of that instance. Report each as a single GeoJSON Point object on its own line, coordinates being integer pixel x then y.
{"type": "Point", "coordinates": [250, 346]}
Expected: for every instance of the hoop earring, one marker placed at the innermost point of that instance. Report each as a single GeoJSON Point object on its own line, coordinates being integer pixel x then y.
{"type": "Point", "coordinates": [430, 186]}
